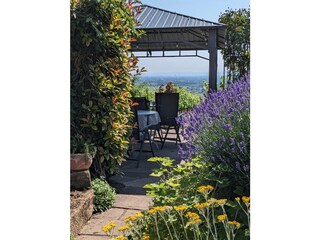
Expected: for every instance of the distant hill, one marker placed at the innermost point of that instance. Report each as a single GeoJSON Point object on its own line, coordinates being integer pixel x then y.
{"type": "Point", "coordinates": [192, 81]}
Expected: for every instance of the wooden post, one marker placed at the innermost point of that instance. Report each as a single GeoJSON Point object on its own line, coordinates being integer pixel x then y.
{"type": "Point", "coordinates": [212, 42]}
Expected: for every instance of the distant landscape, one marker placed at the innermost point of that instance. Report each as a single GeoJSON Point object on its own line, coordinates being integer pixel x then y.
{"type": "Point", "coordinates": [192, 81]}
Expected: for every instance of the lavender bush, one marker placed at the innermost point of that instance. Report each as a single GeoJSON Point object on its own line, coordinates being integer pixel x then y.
{"type": "Point", "coordinates": [218, 130]}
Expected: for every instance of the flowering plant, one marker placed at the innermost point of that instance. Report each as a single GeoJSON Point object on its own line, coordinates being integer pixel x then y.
{"type": "Point", "coordinates": [169, 88]}
{"type": "Point", "coordinates": [219, 131]}
{"type": "Point", "coordinates": [211, 219]}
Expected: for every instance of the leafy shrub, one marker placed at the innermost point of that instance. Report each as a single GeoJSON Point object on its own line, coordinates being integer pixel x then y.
{"type": "Point", "coordinates": [219, 131]}
{"type": "Point", "coordinates": [142, 90]}
{"type": "Point", "coordinates": [104, 195]}
{"type": "Point", "coordinates": [187, 99]}
{"type": "Point", "coordinates": [178, 183]}
{"type": "Point", "coordinates": [101, 61]}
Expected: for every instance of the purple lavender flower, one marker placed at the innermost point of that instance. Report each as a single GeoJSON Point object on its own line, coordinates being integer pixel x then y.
{"type": "Point", "coordinates": [219, 128]}
{"type": "Point", "coordinates": [238, 166]}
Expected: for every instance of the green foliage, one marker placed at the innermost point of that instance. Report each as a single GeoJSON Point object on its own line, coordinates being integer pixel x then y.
{"type": "Point", "coordinates": [104, 195]}
{"type": "Point", "coordinates": [177, 183]}
{"type": "Point", "coordinates": [236, 53]}
{"type": "Point", "coordinates": [142, 90]}
{"type": "Point", "coordinates": [187, 99]}
{"type": "Point", "coordinates": [186, 207]}
{"type": "Point", "coordinates": [101, 33]}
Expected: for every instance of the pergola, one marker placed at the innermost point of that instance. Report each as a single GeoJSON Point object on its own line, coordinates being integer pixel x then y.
{"type": "Point", "coordinates": [169, 31]}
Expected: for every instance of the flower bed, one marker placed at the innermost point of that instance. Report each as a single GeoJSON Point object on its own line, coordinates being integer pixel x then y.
{"type": "Point", "coordinates": [218, 130]}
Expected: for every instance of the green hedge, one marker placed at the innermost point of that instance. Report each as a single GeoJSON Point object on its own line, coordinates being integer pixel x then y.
{"type": "Point", "coordinates": [187, 99]}
{"type": "Point", "coordinates": [101, 33]}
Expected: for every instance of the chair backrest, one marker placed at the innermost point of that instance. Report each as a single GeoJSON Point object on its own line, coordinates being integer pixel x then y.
{"type": "Point", "coordinates": [135, 127]}
{"type": "Point", "coordinates": [143, 103]}
{"type": "Point", "coordinates": [167, 105]}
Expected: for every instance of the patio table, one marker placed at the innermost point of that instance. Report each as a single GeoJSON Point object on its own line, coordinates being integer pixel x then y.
{"type": "Point", "coordinates": [148, 118]}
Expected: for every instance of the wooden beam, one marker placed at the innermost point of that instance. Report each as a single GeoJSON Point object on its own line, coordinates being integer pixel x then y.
{"type": "Point", "coordinates": [212, 44]}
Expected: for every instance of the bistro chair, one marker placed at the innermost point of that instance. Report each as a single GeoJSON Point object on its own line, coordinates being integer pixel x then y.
{"type": "Point", "coordinates": [167, 105]}
{"type": "Point", "coordinates": [138, 136]}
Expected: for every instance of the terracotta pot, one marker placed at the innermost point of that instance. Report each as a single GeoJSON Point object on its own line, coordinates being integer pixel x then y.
{"type": "Point", "coordinates": [80, 162]}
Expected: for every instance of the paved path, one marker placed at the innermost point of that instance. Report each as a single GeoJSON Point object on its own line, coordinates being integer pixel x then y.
{"type": "Point", "coordinates": [125, 205]}
{"type": "Point", "coordinates": [131, 195]}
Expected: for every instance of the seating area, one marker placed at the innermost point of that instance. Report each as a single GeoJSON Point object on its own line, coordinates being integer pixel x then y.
{"type": "Point", "coordinates": [151, 127]}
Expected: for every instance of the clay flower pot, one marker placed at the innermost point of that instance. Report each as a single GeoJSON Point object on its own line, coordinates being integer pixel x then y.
{"type": "Point", "coordinates": [80, 162]}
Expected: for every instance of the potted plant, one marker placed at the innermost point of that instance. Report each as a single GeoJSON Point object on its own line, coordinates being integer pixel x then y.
{"type": "Point", "coordinates": [169, 88]}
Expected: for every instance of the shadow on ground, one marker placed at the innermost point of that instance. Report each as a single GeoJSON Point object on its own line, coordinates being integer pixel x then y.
{"type": "Point", "coordinates": [132, 179]}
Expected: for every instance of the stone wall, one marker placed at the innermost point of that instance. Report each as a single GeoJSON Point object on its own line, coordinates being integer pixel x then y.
{"type": "Point", "coordinates": [81, 196]}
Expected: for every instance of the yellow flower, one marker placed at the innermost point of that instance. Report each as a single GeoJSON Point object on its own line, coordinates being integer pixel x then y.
{"type": "Point", "coordinates": [130, 219]}
{"type": "Point", "coordinates": [196, 221]}
{"type": "Point", "coordinates": [203, 189]}
{"type": "Point", "coordinates": [108, 227]}
{"type": "Point", "coordinates": [212, 200]}
{"type": "Point", "coordinates": [158, 209]}
{"type": "Point", "coordinates": [123, 228]}
{"type": "Point", "coordinates": [180, 208]}
{"type": "Point", "coordinates": [201, 205]}
{"type": "Point", "coordinates": [193, 216]}
{"type": "Point", "coordinates": [146, 237]}
{"type": "Point", "coordinates": [235, 223]}
{"type": "Point", "coordinates": [246, 199]}
{"type": "Point", "coordinates": [221, 201]}
{"type": "Point", "coordinates": [139, 214]}
{"type": "Point", "coordinates": [121, 237]}
{"type": "Point", "coordinates": [222, 217]}
{"type": "Point", "coordinates": [237, 199]}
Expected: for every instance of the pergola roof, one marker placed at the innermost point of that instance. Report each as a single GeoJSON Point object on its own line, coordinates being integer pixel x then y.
{"type": "Point", "coordinates": [169, 31]}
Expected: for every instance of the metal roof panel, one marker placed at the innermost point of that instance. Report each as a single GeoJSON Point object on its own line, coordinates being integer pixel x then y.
{"type": "Point", "coordinates": [152, 17]}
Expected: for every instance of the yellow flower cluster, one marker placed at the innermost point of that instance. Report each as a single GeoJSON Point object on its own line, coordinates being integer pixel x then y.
{"type": "Point", "coordinates": [193, 222]}
{"type": "Point", "coordinates": [203, 189]}
{"type": "Point", "coordinates": [158, 209]}
{"type": "Point", "coordinates": [235, 223]}
{"type": "Point", "coordinates": [146, 237]}
{"type": "Point", "coordinates": [123, 228]}
{"type": "Point", "coordinates": [212, 201]}
{"type": "Point", "coordinates": [108, 227]}
{"type": "Point", "coordinates": [201, 205]}
{"type": "Point", "coordinates": [237, 199]}
{"type": "Point", "coordinates": [133, 217]}
{"type": "Point", "coordinates": [139, 214]}
{"type": "Point", "coordinates": [130, 219]}
{"type": "Point", "coordinates": [246, 199]}
{"type": "Point", "coordinates": [221, 201]}
{"type": "Point", "coordinates": [194, 217]}
{"type": "Point", "coordinates": [222, 217]}
{"type": "Point", "coordinates": [180, 208]}
{"type": "Point", "coordinates": [121, 237]}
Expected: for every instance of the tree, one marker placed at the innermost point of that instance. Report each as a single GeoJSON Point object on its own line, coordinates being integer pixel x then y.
{"type": "Point", "coordinates": [236, 53]}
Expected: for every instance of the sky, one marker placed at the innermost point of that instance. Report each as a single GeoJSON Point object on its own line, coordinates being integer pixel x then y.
{"type": "Point", "coordinates": [203, 9]}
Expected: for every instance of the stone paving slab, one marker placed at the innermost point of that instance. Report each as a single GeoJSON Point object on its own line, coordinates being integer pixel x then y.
{"type": "Point", "coordinates": [125, 205]}
{"type": "Point", "coordinates": [137, 202]}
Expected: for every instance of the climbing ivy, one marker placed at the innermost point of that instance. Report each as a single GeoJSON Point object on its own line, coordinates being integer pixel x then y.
{"type": "Point", "coordinates": [101, 62]}
{"type": "Point", "coordinates": [236, 53]}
